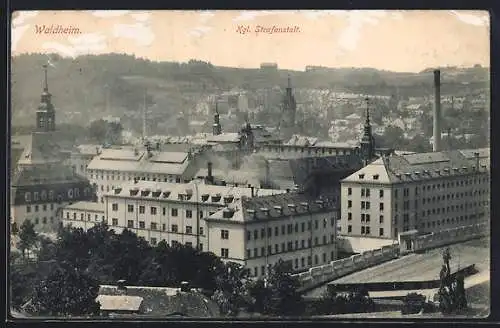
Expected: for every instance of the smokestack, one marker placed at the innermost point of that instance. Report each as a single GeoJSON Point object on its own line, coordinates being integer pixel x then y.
{"type": "Point", "coordinates": [210, 177]}
{"type": "Point", "coordinates": [437, 111]}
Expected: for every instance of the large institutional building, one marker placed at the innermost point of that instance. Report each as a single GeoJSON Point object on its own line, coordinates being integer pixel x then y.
{"type": "Point", "coordinates": [422, 192]}
{"type": "Point", "coordinates": [255, 227]}
{"type": "Point", "coordinates": [42, 183]}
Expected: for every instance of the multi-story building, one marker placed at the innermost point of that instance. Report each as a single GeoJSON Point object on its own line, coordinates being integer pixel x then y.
{"type": "Point", "coordinates": [42, 183]}
{"type": "Point", "coordinates": [173, 212]}
{"type": "Point", "coordinates": [425, 192]}
{"type": "Point", "coordinates": [114, 167]}
{"type": "Point", "coordinates": [254, 227]}
{"type": "Point", "coordinates": [258, 232]}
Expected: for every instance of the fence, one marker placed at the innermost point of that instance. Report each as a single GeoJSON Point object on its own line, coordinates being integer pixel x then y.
{"type": "Point", "coordinates": [317, 276]}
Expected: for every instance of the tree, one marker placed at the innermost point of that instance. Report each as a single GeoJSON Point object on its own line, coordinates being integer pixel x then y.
{"type": "Point", "coordinates": [27, 237]}
{"type": "Point", "coordinates": [231, 292]}
{"type": "Point", "coordinates": [260, 296]}
{"type": "Point", "coordinates": [451, 294]}
{"type": "Point", "coordinates": [66, 291]}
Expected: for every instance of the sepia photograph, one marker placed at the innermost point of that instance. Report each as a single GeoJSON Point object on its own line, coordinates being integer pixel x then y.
{"type": "Point", "coordinates": [238, 164]}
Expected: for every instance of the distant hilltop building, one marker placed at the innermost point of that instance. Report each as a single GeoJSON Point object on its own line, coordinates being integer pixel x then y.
{"type": "Point", "coordinates": [272, 66]}
{"type": "Point", "coordinates": [42, 183]}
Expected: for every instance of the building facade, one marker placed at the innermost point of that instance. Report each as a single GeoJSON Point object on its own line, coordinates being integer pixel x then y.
{"type": "Point", "coordinates": [173, 212]}
{"type": "Point", "coordinates": [425, 192]}
{"type": "Point", "coordinates": [260, 231]}
{"type": "Point", "coordinates": [254, 227]}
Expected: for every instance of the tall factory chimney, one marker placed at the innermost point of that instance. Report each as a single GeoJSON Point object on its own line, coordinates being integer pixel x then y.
{"type": "Point", "coordinates": [436, 146]}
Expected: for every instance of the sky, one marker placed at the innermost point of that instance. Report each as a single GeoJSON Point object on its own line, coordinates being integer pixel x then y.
{"type": "Point", "coordinates": [404, 41]}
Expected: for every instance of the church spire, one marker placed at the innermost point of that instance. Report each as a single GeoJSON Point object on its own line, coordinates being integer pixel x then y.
{"type": "Point", "coordinates": [45, 114]}
{"type": "Point", "coordinates": [45, 80]}
{"type": "Point", "coordinates": [367, 144]}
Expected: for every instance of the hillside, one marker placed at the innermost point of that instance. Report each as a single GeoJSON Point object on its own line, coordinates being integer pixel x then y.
{"type": "Point", "coordinates": [114, 84]}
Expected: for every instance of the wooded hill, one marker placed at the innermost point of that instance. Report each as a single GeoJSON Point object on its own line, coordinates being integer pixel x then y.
{"type": "Point", "coordinates": [112, 84]}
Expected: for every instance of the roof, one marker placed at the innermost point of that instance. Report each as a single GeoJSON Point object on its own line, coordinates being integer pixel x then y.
{"type": "Point", "coordinates": [45, 173]}
{"type": "Point", "coordinates": [129, 160]}
{"type": "Point", "coordinates": [41, 148]}
{"type": "Point", "coordinates": [241, 177]}
{"type": "Point", "coordinates": [419, 166]}
{"type": "Point", "coordinates": [189, 192]}
{"type": "Point", "coordinates": [119, 302]}
{"type": "Point", "coordinates": [87, 206]}
{"type": "Point", "coordinates": [224, 137]}
{"type": "Point", "coordinates": [271, 207]}
{"type": "Point", "coordinates": [165, 301]}
{"type": "Point", "coordinates": [89, 149]}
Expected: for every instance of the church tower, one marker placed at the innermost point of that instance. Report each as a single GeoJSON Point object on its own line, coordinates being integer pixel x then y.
{"type": "Point", "coordinates": [289, 105]}
{"type": "Point", "coordinates": [45, 114]}
{"type": "Point", "coordinates": [367, 144]}
{"type": "Point", "coordinates": [217, 128]}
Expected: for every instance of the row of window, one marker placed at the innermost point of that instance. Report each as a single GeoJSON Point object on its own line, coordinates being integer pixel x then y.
{"type": "Point", "coordinates": [287, 229]}
{"type": "Point", "coordinates": [129, 177]}
{"type": "Point", "coordinates": [443, 185]}
{"type": "Point", "coordinates": [153, 210]}
{"type": "Point", "coordinates": [365, 192]}
{"type": "Point", "coordinates": [44, 195]}
{"type": "Point", "coordinates": [287, 247]}
{"type": "Point", "coordinates": [82, 216]}
{"type": "Point", "coordinates": [295, 262]}
{"type": "Point", "coordinates": [365, 217]}
{"type": "Point", "coordinates": [37, 208]}
{"type": "Point", "coordinates": [365, 230]}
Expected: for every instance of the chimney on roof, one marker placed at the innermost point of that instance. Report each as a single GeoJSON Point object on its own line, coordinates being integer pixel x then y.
{"type": "Point", "coordinates": [436, 146]}
{"type": "Point", "coordinates": [476, 156]}
{"type": "Point", "coordinates": [120, 286]}
{"type": "Point", "coordinates": [210, 177]}
{"type": "Point", "coordinates": [185, 286]}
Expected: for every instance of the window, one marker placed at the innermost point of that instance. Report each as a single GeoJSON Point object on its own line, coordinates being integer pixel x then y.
{"type": "Point", "coordinates": [381, 232]}
{"type": "Point", "coordinates": [142, 209]}
{"type": "Point", "coordinates": [262, 251]}
{"type": "Point", "coordinates": [349, 191]}
{"type": "Point", "coordinates": [51, 206]}
{"type": "Point", "coordinates": [367, 192]}
{"type": "Point", "coordinates": [153, 241]}
{"type": "Point", "coordinates": [349, 228]}
{"type": "Point", "coordinates": [249, 253]}
{"type": "Point", "coordinates": [74, 216]}
{"type": "Point", "coordinates": [44, 207]}
{"type": "Point", "coordinates": [174, 212]}
{"type": "Point", "coordinates": [27, 197]}
{"type": "Point", "coordinates": [367, 230]}
{"type": "Point", "coordinates": [154, 226]}
{"type": "Point", "coordinates": [130, 224]}
{"type": "Point", "coordinates": [362, 230]}
{"type": "Point", "coordinates": [175, 228]}
{"type": "Point", "coordinates": [255, 252]}
{"type": "Point", "coordinates": [249, 235]}
{"type": "Point", "coordinates": [201, 231]}
{"type": "Point", "coordinates": [35, 197]}
{"type": "Point", "coordinates": [189, 214]}
{"type": "Point", "coordinates": [37, 221]}
{"type": "Point", "coordinates": [362, 205]}
{"type": "Point", "coordinates": [96, 218]}
{"type": "Point", "coordinates": [163, 227]}
{"type": "Point", "coordinates": [349, 216]}
{"type": "Point", "coordinates": [303, 226]}
{"type": "Point", "coordinates": [81, 216]}
{"type": "Point", "coordinates": [164, 211]}
{"type": "Point", "coordinates": [349, 204]}
{"type": "Point", "coordinates": [88, 217]}
{"type": "Point", "coordinates": [367, 205]}
{"type": "Point", "coordinates": [28, 209]}
{"type": "Point", "coordinates": [130, 208]}
{"type": "Point", "coordinates": [224, 234]}
{"type": "Point", "coordinates": [189, 230]}
{"type": "Point", "coordinates": [153, 210]}
{"type": "Point", "coordinates": [36, 208]}
{"type": "Point", "coordinates": [44, 220]}
{"type": "Point", "coordinates": [262, 233]}
{"type": "Point", "coordinates": [381, 219]}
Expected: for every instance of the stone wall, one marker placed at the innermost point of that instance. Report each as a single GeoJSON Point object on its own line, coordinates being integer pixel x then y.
{"type": "Point", "coordinates": [319, 275]}
{"type": "Point", "coordinates": [450, 236]}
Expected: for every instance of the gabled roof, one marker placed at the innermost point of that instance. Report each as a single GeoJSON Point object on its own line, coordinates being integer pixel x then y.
{"type": "Point", "coordinates": [420, 166]}
{"type": "Point", "coordinates": [46, 173]}
{"type": "Point", "coordinates": [41, 148]}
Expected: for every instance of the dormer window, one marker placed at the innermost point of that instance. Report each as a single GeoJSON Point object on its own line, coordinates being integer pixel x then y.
{"type": "Point", "coordinates": [51, 194]}
{"type": "Point", "coordinates": [27, 197]}
{"type": "Point", "coordinates": [361, 176]}
{"type": "Point", "coordinates": [204, 197]}
{"type": "Point", "coordinates": [35, 198]}
{"type": "Point", "coordinates": [70, 193]}
{"type": "Point", "coordinates": [375, 177]}
{"type": "Point", "coordinates": [44, 195]}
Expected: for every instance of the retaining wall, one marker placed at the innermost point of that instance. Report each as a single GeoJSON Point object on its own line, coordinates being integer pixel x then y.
{"type": "Point", "coordinates": [455, 235]}
{"type": "Point", "coordinates": [319, 275]}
